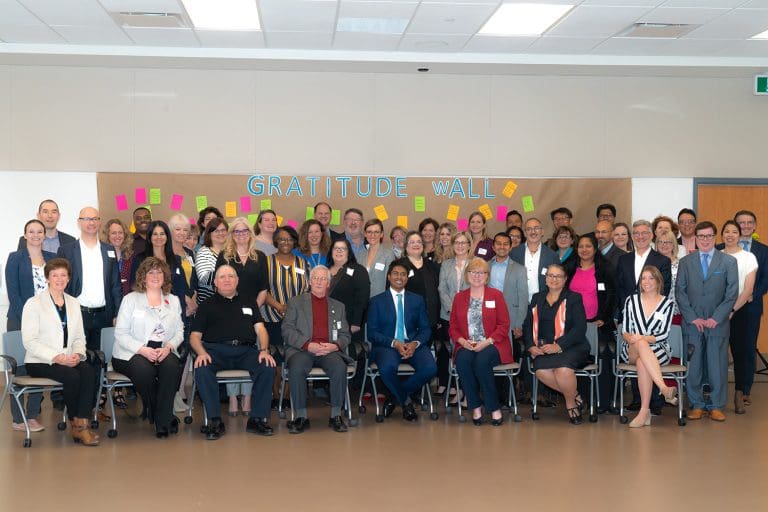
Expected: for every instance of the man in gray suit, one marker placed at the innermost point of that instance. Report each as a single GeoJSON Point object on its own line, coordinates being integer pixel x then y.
{"type": "Point", "coordinates": [315, 332]}
{"type": "Point", "coordinates": [706, 289]}
{"type": "Point", "coordinates": [509, 278]}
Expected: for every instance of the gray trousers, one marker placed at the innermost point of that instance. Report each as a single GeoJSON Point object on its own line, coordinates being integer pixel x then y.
{"type": "Point", "coordinates": [299, 365]}
{"type": "Point", "coordinates": [710, 359]}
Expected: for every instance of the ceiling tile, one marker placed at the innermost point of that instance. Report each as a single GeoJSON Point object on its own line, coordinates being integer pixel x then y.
{"type": "Point", "coordinates": [230, 39]}
{"type": "Point", "coordinates": [753, 48]}
{"type": "Point", "coordinates": [737, 24]}
{"type": "Point", "coordinates": [755, 4]}
{"type": "Point", "coordinates": [624, 3]}
{"type": "Point", "coordinates": [366, 42]}
{"type": "Point", "coordinates": [450, 18]}
{"type": "Point", "coordinates": [695, 47]}
{"type": "Point", "coordinates": [682, 15]}
{"type": "Point", "coordinates": [299, 40]}
{"type": "Point", "coordinates": [70, 12]}
{"type": "Point", "coordinates": [163, 36]}
{"type": "Point", "coordinates": [29, 34]}
{"type": "Point", "coordinates": [167, 6]}
{"type": "Point", "coordinates": [433, 42]}
{"type": "Point", "coordinates": [496, 44]}
{"type": "Point", "coordinates": [11, 13]}
{"type": "Point", "coordinates": [377, 9]}
{"type": "Point", "coordinates": [92, 35]}
{"type": "Point", "coordinates": [297, 15]}
{"type": "Point", "coordinates": [630, 46]}
{"type": "Point", "coordinates": [703, 3]}
{"type": "Point", "coordinates": [597, 21]}
{"type": "Point", "coordinates": [564, 45]}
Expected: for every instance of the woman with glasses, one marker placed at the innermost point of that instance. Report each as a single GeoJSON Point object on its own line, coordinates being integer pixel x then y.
{"type": "Point", "coordinates": [555, 335]}
{"type": "Point", "coordinates": [205, 216]}
{"type": "Point", "coordinates": [313, 243]}
{"type": "Point", "coordinates": [482, 246]}
{"type": "Point", "coordinates": [563, 244]}
{"type": "Point", "coordinates": [397, 236]}
{"type": "Point", "coordinates": [423, 276]}
{"type": "Point", "coordinates": [214, 239]}
{"type": "Point", "coordinates": [663, 224]}
{"type": "Point", "coordinates": [516, 235]}
{"type": "Point", "coordinates": [265, 227]}
{"type": "Point", "coordinates": [479, 326]}
{"type": "Point", "coordinates": [349, 285]}
{"type": "Point", "coordinates": [378, 257]}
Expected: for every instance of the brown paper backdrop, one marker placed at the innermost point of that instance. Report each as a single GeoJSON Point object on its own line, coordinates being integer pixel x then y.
{"type": "Point", "coordinates": [580, 195]}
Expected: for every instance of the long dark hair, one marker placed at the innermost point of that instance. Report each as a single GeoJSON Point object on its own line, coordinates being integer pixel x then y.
{"type": "Point", "coordinates": [351, 260]}
{"type": "Point", "coordinates": [149, 250]}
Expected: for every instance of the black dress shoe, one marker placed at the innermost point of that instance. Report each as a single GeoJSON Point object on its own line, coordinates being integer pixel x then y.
{"type": "Point", "coordinates": [298, 425]}
{"type": "Point", "coordinates": [337, 424]}
{"type": "Point", "coordinates": [174, 428]}
{"type": "Point", "coordinates": [162, 433]}
{"type": "Point", "coordinates": [215, 430]}
{"type": "Point", "coordinates": [409, 413]}
{"type": "Point", "coordinates": [477, 421]}
{"type": "Point", "coordinates": [497, 423]}
{"type": "Point", "coordinates": [258, 426]}
{"type": "Point", "coordinates": [389, 408]}
{"type": "Point", "coordinates": [634, 406]}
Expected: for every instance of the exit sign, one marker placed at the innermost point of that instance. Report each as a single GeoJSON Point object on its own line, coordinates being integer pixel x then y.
{"type": "Point", "coordinates": [761, 84]}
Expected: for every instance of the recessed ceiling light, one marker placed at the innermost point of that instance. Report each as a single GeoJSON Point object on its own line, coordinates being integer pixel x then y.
{"type": "Point", "coordinates": [761, 35]}
{"type": "Point", "coordinates": [523, 19]}
{"type": "Point", "coordinates": [372, 25]}
{"type": "Point", "coordinates": [223, 14]}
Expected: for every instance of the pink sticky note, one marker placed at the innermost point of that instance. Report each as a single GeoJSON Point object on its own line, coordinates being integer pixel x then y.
{"type": "Point", "coordinates": [176, 201]}
{"type": "Point", "coordinates": [122, 202]}
{"type": "Point", "coordinates": [245, 204]}
{"type": "Point", "coordinates": [292, 223]}
{"type": "Point", "coordinates": [501, 213]}
{"type": "Point", "coordinates": [192, 221]}
{"type": "Point", "coordinates": [462, 224]}
{"type": "Point", "coordinates": [141, 195]}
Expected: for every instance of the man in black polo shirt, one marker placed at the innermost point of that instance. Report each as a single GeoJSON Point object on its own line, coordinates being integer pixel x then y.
{"type": "Point", "coordinates": [235, 338]}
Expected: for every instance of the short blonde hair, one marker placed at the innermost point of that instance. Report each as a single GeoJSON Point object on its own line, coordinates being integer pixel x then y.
{"type": "Point", "coordinates": [669, 236]}
{"type": "Point", "coordinates": [476, 264]}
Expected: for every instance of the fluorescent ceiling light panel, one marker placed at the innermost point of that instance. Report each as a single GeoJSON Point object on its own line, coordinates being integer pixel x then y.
{"type": "Point", "coordinates": [523, 19]}
{"type": "Point", "coordinates": [372, 25]}
{"type": "Point", "coordinates": [761, 35]}
{"type": "Point", "coordinates": [223, 14]}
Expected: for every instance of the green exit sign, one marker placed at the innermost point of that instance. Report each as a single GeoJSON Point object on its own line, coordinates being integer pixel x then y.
{"type": "Point", "coordinates": [761, 84]}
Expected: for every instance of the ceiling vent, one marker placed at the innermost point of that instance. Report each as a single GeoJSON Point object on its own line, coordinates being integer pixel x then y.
{"type": "Point", "coordinates": [659, 30]}
{"type": "Point", "coordinates": [150, 19]}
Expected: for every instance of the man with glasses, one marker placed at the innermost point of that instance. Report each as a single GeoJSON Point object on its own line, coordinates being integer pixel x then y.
{"type": "Point", "coordinates": [606, 213]}
{"type": "Point", "coordinates": [48, 214]}
{"type": "Point", "coordinates": [353, 230]}
{"type": "Point", "coordinates": [534, 256]}
{"type": "Point", "coordinates": [560, 217]}
{"type": "Point", "coordinates": [628, 271]}
{"type": "Point", "coordinates": [706, 289]}
{"type": "Point", "coordinates": [315, 332]}
{"type": "Point", "coordinates": [686, 220]}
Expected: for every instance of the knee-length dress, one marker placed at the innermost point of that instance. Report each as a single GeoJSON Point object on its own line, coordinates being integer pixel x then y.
{"type": "Point", "coordinates": [657, 324]}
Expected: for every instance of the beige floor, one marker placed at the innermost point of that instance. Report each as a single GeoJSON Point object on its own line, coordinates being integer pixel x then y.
{"type": "Point", "coordinates": [440, 465]}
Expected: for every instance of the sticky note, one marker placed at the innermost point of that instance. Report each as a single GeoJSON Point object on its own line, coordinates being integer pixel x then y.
{"type": "Point", "coordinates": [527, 204]}
{"type": "Point", "coordinates": [252, 219]}
{"type": "Point", "coordinates": [453, 212]}
{"type": "Point", "coordinates": [310, 213]}
{"type": "Point", "coordinates": [245, 204]}
{"type": "Point", "coordinates": [155, 196]}
{"type": "Point", "coordinates": [402, 220]}
{"type": "Point", "coordinates": [501, 213]}
{"type": "Point", "coordinates": [486, 211]}
{"type": "Point", "coordinates": [265, 204]}
{"type": "Point", "coordinates": [140, 195]}
{"type": "Point", "coordinates": [420, 203]}
{"type": "Point", "coordinates": [176, 201]}
{"type": "Point", "coordinates": [279, 220]}
{"type": "Point", "coordinates": [192, 221]}
{"type": "Point", "coordinates": [292, 223]}
{"type": "Point", "coordinates": [335, 217]}
{"type": "Point", "coordinates": [121, 202]}
{"type": "Point", "coordinates": [381, 212]}
{"type": "Point", "coordinates": [509, 188]}
{"type": "Point", "coordinates": [132, 229]}
{"type": "Point", "coordinates": [462, 224]}
{"type": "Point", "coordinates": [230, 209]}
{"type": "Point", "coordinates": [201, 202]}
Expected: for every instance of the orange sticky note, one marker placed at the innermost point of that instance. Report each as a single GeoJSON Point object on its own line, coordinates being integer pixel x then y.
{"type": "Point", "coordinates": [402, 220]}
{"type": "Point", "coordinates": [381, 213]}
{"type": "Point", "coordinates": [230, 209]}
{"type": "Point", "coordinates": [485, 209]}
{"type": "Point", "coordinates": [279, 220]}
{"type": "Point", "coordinates": [453, 212]}
{"type": "Point", "coordinates": [509, 188]}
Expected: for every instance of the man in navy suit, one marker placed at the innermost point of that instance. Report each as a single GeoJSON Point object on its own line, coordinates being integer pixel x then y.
{"type": "Point", "coordinates": [747, 222]}
{"type": "Point", "coordinates": [534, 256]}
{"type": "Point", "coordinates": [94, 282]}
{"type": "Point", "coordinates": [48, 214]}
{"type": "Point", "coordinates": [399, 332]}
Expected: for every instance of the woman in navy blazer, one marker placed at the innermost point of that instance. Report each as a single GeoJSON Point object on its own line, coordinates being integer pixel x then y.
{"type": "Point", "coordinates": [24, 278]}
{"type": "Point", "coordinates": [479, 327]}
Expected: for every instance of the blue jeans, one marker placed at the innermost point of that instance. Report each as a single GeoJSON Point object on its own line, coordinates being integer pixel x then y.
{"type": "Point", "coordinates": [388, 359]}
{"type": "Point", "coordinates": [476, 375]}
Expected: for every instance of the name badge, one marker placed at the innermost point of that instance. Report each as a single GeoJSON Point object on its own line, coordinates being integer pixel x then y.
{"type": "Point", "coordinates": [247, 311]}
{"type": "Point", "coordinates": [379, 266]}
{"type": "Point", "coordinates": [299, 271]}
{"type": "Point", "coordinates": [178, 271]}
{"type": "Point", "coordinates": [544, 271]}
{"type": "Point", "coordinates": [658, 316]}
{"type": "Point", "coordinates": [334, 335]}
{"type": "Point", "coordinates": [111, 254]}
{"type": "Point", "coordinates": [490, 304]}
{"type": "Point", "coordinates": [338, 324]}
{"type": "Point", "coordinates": [138, 313]}
{"type": "Point", "coordinates": [350, 271]}
{"type": "Point", "coordinates": [601, 287]}
{"type": "Point", "coordinates": [410, 273]}
{"type": "Point", "coordinates": [482, 251]}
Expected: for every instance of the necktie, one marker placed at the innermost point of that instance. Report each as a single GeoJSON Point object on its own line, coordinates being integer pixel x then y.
{"type": "Point", "coordinates": [705, 264]}
{"type": "Point", "coordinates": [400, 327]}
{"type": "Point", "coordinates": [744, 244]}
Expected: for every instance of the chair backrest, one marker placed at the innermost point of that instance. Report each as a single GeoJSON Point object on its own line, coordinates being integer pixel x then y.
{"type": "Point", "coordinates": [107, 342]}
{"type": "Point", "coordinates": [675, 341]}
{"type": "Point", "coordinates": [593, 339]}
{"type": "Point", "coordinates": [13, 346]}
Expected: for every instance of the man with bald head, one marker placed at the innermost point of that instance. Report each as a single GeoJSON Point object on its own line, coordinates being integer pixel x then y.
{"type": "Point", "coordinates": [604, 236]}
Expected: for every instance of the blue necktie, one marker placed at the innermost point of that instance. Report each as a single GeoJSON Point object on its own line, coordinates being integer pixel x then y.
{"type": "Point", "coordinates": [400, 327]}
{"type": "Point", "coordinates": [744, 244]}
{"type": "Point", "coordinates": [705, 264]}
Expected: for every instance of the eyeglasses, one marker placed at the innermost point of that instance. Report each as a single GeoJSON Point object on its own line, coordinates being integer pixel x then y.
{"type": "Point", "coordinates": [285, 240]}
{"type": "Point", "coordinates": [318, 278]}
{"type": "Point", "coordinates": [556, 276]}
{"type": "Point", "coordinates": [746, 223]}
{"type": "Point", "coordinates": [220, 231]}
{"type": "Point", "coordinates": [686, 222]}
{"type": "Point", "coordinates": [536, 229]}
{"type": "Point", "coordinates": [340, 249]}
{"type": "Point", "coordinates": [664, 242]}
{"type": "Point", "coordinates": [641, 233]}
{"type": "Point", "coordinates": [240, 232]}
{"type": "Point", "coordinates": [564, 237]}
{"type": "Point", "coordinates": [705, 237]}
{"type": "Point", "coordinates": [460, 242]}
{"type": "Point", "coordinates": [415, 242]}
{"type": "Point", "coordinates": [89, 219]}
{"type": "Point", "coordinates": [478, 273]}
{"type": "Point", "coordinates": [515, 237]}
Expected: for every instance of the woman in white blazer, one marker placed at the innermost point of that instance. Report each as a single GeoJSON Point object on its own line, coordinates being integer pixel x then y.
{"type": "Point", "coordinates": [148, 332]}
{"type": "Point", "coordinates": [53, 336]}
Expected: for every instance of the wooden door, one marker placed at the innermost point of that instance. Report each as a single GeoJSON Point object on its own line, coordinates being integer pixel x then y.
{"type": "Point", "coordinates": [718, 203]}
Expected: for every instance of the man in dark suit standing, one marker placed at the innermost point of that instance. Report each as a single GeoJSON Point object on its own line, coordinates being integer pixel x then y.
{"type": "Point", "coordinates": [628, 272]}
{"type": "Point", "coordinates": [747, 222]}
{"type": "Point", "coordinates": [706, 289]}
{"type": "Point", "coordinates": [323, 213]}
{"type": "Point", "coordinates": [604, 236]}
{"type": "Point", "coordinates": [48, 213]}
{"type": "Point", "coordinates": [398, 329]}
{"type": "Point", "coordinates": [534, 256]}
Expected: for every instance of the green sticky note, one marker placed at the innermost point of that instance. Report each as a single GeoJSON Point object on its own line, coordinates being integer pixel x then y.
{"type": "Point", "coordinates": [336, 217]}
{"type": "Point", "coordinates": [252, 219]}
{"type": "Point", "coordinates": [420, 203]}
{"type": "Point", "coordinates": [310, 213]}
{"type": "Point", "coordinates": [201, 202]}
{"type": "Point", "coordinates": [265, 204]}
{"type": "Point", "coordinates": [154, 196]}
{"type": "Point", "coordinates": [527, 204]}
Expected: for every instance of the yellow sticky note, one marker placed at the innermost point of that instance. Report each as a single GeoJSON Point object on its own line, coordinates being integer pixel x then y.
{"type": "Point", "coordinates": [265, 204]}
{"type": "Point", "coordinates": [402, 220]}
{"type": "Point", "coordinates": [453, 212]}
{"type": "Point", "coordinates": [485, 209]}
{"type": "Point", "coordinates": [420, 204]}
{"type": "Point", "coordinates": [230, 209]}
{"type": "Point", "coordinates": [381, 212]}
{"type": "Point", "coordinates": [509, 188]}
{"type": "Point", "coordinates": [279, 220]}
{"type": "Point", "coordinates": [132, 229]}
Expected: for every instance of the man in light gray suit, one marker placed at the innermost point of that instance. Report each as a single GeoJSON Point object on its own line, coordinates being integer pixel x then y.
{"type": "Point", "coordinates": [315, 332]}
{"type": "Point", "coordinates": [706, 289]}
{"type": "Point", "coordinates": [509, 278]}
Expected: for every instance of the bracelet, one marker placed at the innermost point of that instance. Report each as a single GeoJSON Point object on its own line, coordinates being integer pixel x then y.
{"type": "Point", "coordinates": [264, 349]}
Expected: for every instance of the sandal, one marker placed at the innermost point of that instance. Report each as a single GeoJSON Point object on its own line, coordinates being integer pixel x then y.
{"type": "Point", "coordinates": [574, 416]}
{"type": "Point", "coordinates": [119, 400]}
{"type": "Point", "coordinates": [580, 404]}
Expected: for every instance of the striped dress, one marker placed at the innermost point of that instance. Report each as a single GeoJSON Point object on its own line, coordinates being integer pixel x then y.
{"type": "Point", "coordinates": [285, 283]}
{"type": "Point", "coordinates": [657, 325]}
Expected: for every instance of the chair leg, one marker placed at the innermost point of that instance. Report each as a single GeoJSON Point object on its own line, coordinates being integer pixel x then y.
{"type": "Point", "coordinates": [112, 407]}
{"type": "Point", "coordinates": [362, 386]}
{"type": "Point", "coordinates": [23, 416]}
{"type": "Point", "coordinates": [191, 401]}
{"type": "Point", "coordinates": [374, 376]}
{"type": "Point", "coordinates": [448, 387]}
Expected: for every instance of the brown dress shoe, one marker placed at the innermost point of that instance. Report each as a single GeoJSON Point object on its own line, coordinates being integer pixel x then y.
{"type": "Point", "coordinates": [717, 415]}
{"type": "Point", "coordinates": [82, 434]}
{"type": "Point", "coordinates": [695, 414]}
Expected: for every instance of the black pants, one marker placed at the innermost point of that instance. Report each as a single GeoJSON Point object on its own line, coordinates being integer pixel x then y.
{"type": "Point", "coordinates": [93, 323]}
{"type": "Point", "coordinates": [156, 383]}
{"type": "Point", "coordinates": [78, 382]}
{"type": "Point", "coordinates": [745, 326]}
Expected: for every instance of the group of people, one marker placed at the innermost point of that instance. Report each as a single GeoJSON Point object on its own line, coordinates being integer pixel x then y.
{"type": "Point", "coordinates": [253, 297]}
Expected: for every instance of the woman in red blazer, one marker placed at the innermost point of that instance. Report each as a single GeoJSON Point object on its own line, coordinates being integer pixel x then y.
{"type": "Point", "coordinates": [479, 328]}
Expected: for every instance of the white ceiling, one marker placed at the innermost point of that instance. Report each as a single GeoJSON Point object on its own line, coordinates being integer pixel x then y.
{"type": "Point", "coordinates": [436, 31]}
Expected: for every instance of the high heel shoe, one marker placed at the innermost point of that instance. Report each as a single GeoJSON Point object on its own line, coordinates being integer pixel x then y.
{"type": "Point", "coordinates": [639, 421]}
{"type": "Point", "coordinates": [574, 416]}
{"type": "Point", "coordinates": [670, 394]}
{"type": "Point", "coordinates": [738, 402]}
{"type": "Point", "coordinates": [497, 422]}
{"type": "Point", "coordinates": [579, 402]}
{"type": "Point", "coordinates": [479, 420]}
